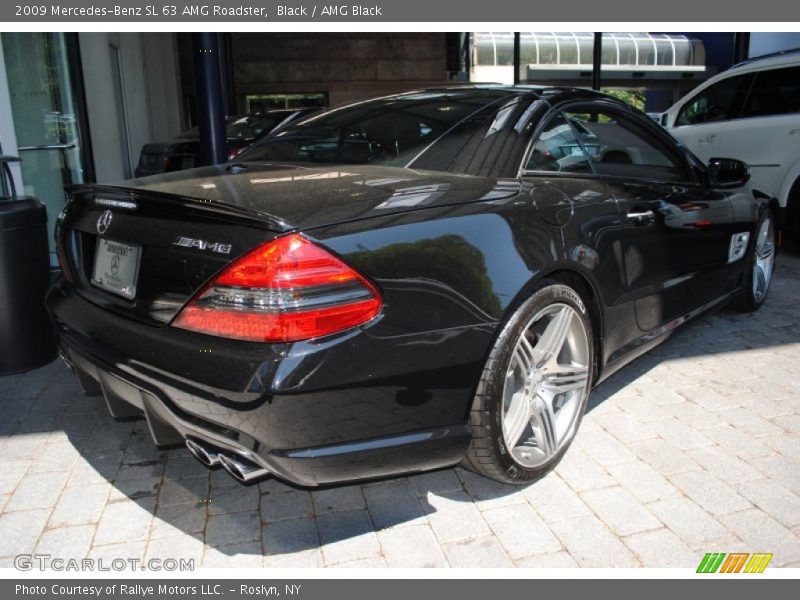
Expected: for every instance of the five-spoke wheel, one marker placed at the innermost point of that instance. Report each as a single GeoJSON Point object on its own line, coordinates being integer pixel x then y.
{"type": "Point", "coordinates": [759, 266]}
{"type": "Point", "coordinates": [764, 259]}
{"type": "Point", "coordinates": [546, 384]}
{"type": "Point", "coordinates": [534, 387]}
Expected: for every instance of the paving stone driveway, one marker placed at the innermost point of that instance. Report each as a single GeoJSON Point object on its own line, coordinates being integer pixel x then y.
{"type": "Point", "coordinates": [693, 448]}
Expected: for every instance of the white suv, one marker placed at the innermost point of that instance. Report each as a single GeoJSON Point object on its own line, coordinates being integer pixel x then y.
{"type": "Point", "coordinates": [750, 112]}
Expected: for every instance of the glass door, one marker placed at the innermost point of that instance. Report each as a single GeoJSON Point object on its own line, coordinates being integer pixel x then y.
{"type": "Point", "coordinates": [46, 117]}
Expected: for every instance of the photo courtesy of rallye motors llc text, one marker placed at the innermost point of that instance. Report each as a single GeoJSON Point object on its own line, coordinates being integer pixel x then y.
{"type": "Point", "coordinates": [145, 591]}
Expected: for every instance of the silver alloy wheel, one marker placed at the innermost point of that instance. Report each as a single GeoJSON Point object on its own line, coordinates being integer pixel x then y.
{"type": "Point", "coordinates": [765, 259]}
{"type": "Point", "coordinates": [546, 384]}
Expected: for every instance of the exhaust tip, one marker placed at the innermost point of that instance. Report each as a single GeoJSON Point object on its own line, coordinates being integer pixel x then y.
{"type": "Point", "coordinates": [207, 456]}
{"type": "Point", "coordinates": [242, 470]}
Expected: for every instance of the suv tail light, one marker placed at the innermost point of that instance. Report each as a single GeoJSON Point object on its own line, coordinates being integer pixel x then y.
{"type": "Point", "coordinates": [286, 290]}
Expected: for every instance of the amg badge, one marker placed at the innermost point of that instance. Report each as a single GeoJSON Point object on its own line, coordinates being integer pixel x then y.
{"type": "Point", "coordinates": [187, 242]}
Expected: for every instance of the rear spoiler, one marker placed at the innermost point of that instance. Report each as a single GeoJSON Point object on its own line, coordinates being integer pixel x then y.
{"type": "Point", "coordinates": [124, 197]}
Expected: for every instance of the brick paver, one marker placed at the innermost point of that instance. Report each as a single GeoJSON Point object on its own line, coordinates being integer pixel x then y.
{"type": "Point", "coordinates": [695, 447]}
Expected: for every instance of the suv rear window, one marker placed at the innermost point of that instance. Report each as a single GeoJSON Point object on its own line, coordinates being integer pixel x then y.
{"type": "Point", "coordinates": [775, 92]}
{"type": "Point", "coordinates": [719, 102]}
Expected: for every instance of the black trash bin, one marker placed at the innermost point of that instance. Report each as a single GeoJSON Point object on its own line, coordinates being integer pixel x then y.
{"type": "Point", "coordinates": [26, 334]}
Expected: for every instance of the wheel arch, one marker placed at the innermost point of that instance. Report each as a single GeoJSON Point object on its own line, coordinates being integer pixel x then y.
{"type": "Point", "coordinates": [789, 215]}
{"type": "Point", "coordinates": [789, 188]}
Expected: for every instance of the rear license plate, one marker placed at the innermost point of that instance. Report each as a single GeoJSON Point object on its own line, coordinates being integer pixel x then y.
{"type": "Point", "coordinates": [116, 267]}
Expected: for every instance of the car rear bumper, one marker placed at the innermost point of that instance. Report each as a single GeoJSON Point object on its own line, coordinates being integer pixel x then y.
{"type": "Point", "coordinates": [307, 436]}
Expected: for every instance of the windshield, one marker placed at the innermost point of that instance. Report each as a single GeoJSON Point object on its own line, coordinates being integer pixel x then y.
{"type": "Point", "coordinates": [392, 131]}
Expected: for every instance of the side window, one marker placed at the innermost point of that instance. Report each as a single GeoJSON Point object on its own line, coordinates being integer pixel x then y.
{"type": "Point", "coordinates": [619, 147]}
{"type": "Point", "coordinates": [558, 149]}
{"type": "Point", "coordinates": [717, 103]}
{"type": "Point", "coordinates": [775, 92]}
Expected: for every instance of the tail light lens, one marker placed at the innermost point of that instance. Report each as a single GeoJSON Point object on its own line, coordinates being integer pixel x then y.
{"type": "Point", "coordinates": [286, 290]}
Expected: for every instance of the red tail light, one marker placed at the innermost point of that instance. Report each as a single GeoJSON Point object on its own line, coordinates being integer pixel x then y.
{"type": "Point", "coordinates": [286, 290]}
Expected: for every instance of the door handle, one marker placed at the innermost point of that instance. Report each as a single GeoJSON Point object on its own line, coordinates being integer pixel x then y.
{"type": "Point", "coordinates": [794, 132]}
{"type": "Point", "coordinates": [709, 139]}
{"type": "Point", "coordinates": [644, 217]}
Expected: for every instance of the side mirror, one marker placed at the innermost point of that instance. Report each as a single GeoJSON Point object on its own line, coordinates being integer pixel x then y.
{"type": "Point", "coordinates": [724, 173]}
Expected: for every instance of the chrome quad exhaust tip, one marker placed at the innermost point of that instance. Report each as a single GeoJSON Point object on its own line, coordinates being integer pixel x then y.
{"type": "Point", "coordinates": [205, 454]}
{"type": "Point", "coordinates": [242, 469]}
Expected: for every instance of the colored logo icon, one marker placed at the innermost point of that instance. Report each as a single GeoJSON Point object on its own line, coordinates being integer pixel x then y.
{"type": "Point", "coordinates": [735, 562]}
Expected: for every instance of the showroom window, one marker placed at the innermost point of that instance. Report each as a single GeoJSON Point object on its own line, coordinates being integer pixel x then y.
{"type": "Point", "coordinates": [256, 103]}
{"type": "Point", "coordinates": [559, 150]}
{"type": "Point", "coordinates": [47, 109]}
{"type": "Point", "coordinates": [775, 92]}
{"type": "Point", "coordinates": [718, 103]}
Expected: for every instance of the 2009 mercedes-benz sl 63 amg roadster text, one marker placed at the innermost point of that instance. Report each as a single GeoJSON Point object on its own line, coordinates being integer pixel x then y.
{"type": "Point", "coordinates": [402, 284]}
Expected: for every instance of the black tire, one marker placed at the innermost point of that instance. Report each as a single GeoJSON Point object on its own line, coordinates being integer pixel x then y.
{"type": "Point", "coordinates": [747, 300]}
{"type": "Point", "coordinates": [488, 454]}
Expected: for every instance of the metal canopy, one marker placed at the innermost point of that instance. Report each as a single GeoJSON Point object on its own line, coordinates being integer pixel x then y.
{"type": "Point", "coordinates": [573, 51]}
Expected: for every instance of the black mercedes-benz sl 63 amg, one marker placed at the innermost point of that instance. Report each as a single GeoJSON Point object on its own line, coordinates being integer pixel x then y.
{"type": "Point", "coordinates": [404, 283]}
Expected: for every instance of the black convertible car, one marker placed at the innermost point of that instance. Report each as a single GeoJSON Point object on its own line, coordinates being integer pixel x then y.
{"type": "Point", "coordinates": [404, 283]}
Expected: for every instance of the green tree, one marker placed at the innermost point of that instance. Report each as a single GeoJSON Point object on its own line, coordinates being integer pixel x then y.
{"type": "Point", "coordinates": [635, 98]}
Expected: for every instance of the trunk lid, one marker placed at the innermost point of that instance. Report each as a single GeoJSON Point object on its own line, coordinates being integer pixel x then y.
{"type": "Point", "coordinates": [183, 228]}
{"type": "Point", "coordinates": [179, 245]}
{"type": "Point", "coordinates": [305, 197]}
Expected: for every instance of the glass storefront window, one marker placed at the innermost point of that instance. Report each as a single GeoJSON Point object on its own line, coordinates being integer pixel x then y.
{"type": "Point", "coordinates": [255, 103]}
{"type": "Point", "coordinates": [45, 117]}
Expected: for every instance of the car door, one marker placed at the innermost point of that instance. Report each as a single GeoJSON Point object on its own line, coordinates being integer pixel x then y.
{"type": "Point", "coordinates": [701, 119]}
{"type": "Point", "coordinates": [767, 133]}
{"type": "Point", "coordinates": [566, 192]}
{"type": "Point", "coordinates": [675, 231]}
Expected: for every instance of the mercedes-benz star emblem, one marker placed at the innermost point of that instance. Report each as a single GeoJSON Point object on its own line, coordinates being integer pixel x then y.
{"type": "Point", "coordinates": [104, 221]}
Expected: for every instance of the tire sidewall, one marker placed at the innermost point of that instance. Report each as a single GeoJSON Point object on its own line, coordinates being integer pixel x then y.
{"type": "Point", "coordinates": [545, 294]}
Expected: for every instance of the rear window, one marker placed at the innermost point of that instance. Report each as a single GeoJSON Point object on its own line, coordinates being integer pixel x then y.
{"type": "Point", "coordinates": [775, 92]}
{"type": "Point", "coordinates": [719, 102]}
{"type": "Point", "coordinates": [434, 131]}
